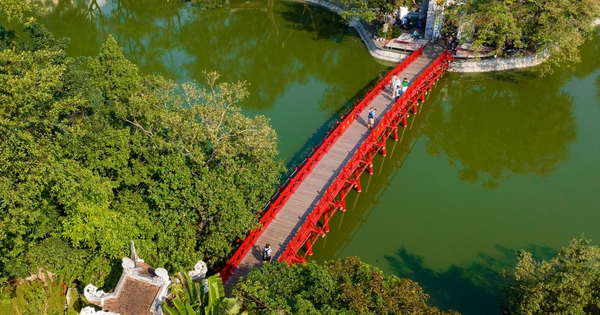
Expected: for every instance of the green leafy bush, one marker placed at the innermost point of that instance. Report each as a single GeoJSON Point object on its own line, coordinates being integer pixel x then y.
{"type": "Point", "coordinates": [339, 287]}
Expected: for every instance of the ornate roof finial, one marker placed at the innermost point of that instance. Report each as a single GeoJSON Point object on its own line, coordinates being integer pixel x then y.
{"type": "Point", "coordinates": [134, 255]}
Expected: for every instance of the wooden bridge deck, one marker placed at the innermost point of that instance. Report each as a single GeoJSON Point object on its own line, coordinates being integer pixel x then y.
{"type": "Point", "coordinates": [293, 214]}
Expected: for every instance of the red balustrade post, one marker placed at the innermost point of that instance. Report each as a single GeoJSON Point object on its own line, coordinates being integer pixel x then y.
{"type": "Point", "coordinates": [309, 251]}
{"type": "Point", "coordinates": [395, 132]}
{"type": "Point", "coordinates": [357, 180]}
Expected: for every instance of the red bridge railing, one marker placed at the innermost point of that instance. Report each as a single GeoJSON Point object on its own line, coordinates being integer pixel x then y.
{"type": "Point", "coordinates": [317, 223]}
{"type": "Point", "coordinates": [301, 172]}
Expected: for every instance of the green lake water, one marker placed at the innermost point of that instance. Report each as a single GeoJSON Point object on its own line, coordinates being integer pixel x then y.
{"type": "Point", "coordinates": [303, 66]}
{"type": "Point", "coordinates": [493, 162]}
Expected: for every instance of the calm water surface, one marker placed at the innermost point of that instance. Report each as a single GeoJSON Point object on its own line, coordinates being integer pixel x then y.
{"type": "Point", "coordinates": [493, 163]}
{"type": "Point", "coordinates": [303, 66]}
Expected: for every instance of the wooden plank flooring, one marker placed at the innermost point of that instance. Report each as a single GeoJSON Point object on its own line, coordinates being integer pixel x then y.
{"type": "Point", "coordinates": [291, 217]}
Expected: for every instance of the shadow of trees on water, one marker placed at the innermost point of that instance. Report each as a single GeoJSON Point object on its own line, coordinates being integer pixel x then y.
{"type": "Point", "coordinates": [471, 290]}
{"type": "Point", "coordinates": [492, 127]}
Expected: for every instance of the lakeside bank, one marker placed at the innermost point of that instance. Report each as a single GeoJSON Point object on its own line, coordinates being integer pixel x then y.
{"type": "Point", "coordinates": [460, 65]}
{"type": "Point", "coordinates": [500, 64]}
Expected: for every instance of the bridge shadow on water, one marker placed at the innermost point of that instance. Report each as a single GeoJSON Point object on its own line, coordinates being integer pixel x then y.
{"type": "Point", "coordinates": [472, 290]}
{"type": "Point", "coordinates": [318, 136]}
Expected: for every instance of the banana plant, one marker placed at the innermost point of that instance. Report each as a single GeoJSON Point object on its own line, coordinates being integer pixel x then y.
{"type": "Point", "coordinates": [187, 297]}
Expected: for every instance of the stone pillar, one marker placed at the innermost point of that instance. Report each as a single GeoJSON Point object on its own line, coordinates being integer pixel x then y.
{"type": "Point", "coordinates": [424, 7]}
{"type": "Point", "coordinates": [432, 20]}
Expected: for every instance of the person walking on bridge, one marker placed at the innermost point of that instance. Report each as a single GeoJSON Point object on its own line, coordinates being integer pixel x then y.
{"type": "Point", "coordinates": [393, 84]}
{"type": "Point", "coordinates": [371, 117]}
{"type": "Point", "coordinates": [266, 253]}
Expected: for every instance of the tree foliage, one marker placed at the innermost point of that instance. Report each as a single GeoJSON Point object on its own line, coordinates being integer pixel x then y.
{"type": "Point", "coordinates": [551, 27]}
{"type": "Point", "coordinates": [339, 287]}
{"type": "Point", "coordinates": [37, 297]}
{"type": "Point", "coordinates": [16, 9]}
{"type": "Point", "coordinates": [371, 9]}
{"type": "Point", "coordinates": [93, 154]}
{"type": "Point", "coordinates": [567, 284]}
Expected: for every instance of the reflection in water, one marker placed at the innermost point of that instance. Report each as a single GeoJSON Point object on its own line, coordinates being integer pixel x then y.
{"type": "Point", "coordinates": [473, 289]}
{"type": "Point", "coordinates": [345, 225]}
{"type": "Point", "coordinates": [304, 68]}
{"type": "Point", "coordinates": [278, 47]}
{"type": "Point", "coordinates": [491, 130]}
{"type": "Point", "coordinates": [587, 65]}
{"type": "Point", "coordinates": [262, 42]}
{"type": "Point", "coordinates": [73, 19]}
{"type": "Point", "coordinates": [536, 138]}
{"type": "Point", "coordinates": [598, 88]}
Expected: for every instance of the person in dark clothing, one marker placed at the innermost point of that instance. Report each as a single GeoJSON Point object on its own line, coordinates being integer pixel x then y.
{"type": "Point", "coordinates": [266, 253]}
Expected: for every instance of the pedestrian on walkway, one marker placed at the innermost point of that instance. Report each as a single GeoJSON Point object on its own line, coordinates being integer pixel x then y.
{"type": "Point", "coordinates": [416, 35]}
{"type": "Point", "coordinates": [266, 253]}
{"type": "Point", "coordinates": [393, 84]}
{"type": "Point", "coordinates": [404, 85]}
{"type": "Point", "coordinates": [371, 117]}
{"type": "Point", "coordinates": [450, 42]}
{"type": "Point", "coordinates": [396, 85]}
{"type": "Point", "coordinates": [436, 36]}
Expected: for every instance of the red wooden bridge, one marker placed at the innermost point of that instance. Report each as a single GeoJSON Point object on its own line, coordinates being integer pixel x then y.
{"type": "Point", "coordinates": [301, 209]}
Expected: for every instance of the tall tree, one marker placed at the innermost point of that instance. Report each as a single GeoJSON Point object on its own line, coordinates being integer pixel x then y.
{"type": "Point", "coordinates": [93, 157]}
{"type": "Point", "coordinates": [550, 27]}
{"type": "Point", "coordinates": [566, 284]}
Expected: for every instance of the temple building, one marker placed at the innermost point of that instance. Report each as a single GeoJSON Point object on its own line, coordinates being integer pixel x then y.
{"type": "Point", "coordinates": [139, 291]}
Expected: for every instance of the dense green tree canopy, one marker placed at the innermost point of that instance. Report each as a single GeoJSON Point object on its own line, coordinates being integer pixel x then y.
{"type": "Point", "coordinates": [45, 295]}
{"type": "Point", "coordinates": [16, 9]}
{"type": "Point", "coordinates": [94, 154]}
{"type": "Point", "coordinates": [338, 287]}
{"type": "Point", "coordinates": [552, 27]}
{"type": "Point", "coordinates": [566, 284]}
